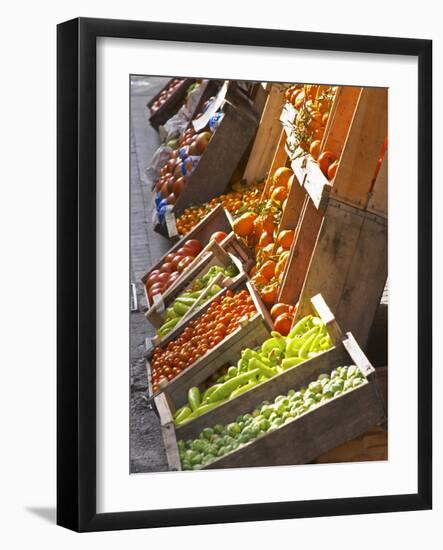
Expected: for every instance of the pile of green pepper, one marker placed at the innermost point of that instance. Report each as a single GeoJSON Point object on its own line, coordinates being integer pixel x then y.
{"type": "Point", "coordinates": [306, 340]}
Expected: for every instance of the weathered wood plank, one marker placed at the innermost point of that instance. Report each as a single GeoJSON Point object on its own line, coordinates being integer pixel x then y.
{"type": "Point", "coordinates": [340, 118]}
{"type": "Point", "coordinates": [349, 267]}
{"type": "Point", "coordinates": [301, 252]}
{"type": "Point", "coordinates": [266, 139]}
{"type": "Point", "coordinates": [353, 180]}
{"type": "Point", "coordinates": [378, 199]}
{"type": "Point", "coordinates": [280, 159]}
{"type": "Point", "coordinates": [294, 206]}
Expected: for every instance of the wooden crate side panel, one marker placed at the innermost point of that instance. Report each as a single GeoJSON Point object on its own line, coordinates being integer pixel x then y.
{"type": "Point", "coordinates": [354, 177]}
{"type": "Point", "coordinates": [365, 279]}
{"type": "Point", "coordinates": [266, 140]}
{"type": "Point", "coordinates": [378, 199]}
{"type": "Point", "coordinates": [341, 116]}
{"type": "Point", "coordinates": [311, 435]}
{"type": "Point", "coordinates": [294, 206]}
{"type": "Point", "coordinates": [349, 268]}
{"type": "Point", "coordinates": [220, 159]}
{"type": "Point", "coordinates": [337, 241]}
{"type": "Point", "coordinates": [293, 378]}
{"type": "Point", "coordinates": [301, 253]}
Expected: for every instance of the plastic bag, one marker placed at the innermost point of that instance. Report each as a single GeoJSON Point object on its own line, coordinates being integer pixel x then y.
{"type": "Point", "coordinates": [159, 159]}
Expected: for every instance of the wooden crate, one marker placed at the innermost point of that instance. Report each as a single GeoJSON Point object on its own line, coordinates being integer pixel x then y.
{"type": "Point", "coordinates": [229, 410]}
{"type": "Point", "coordinates": [309, 436]}
{"type": "Point", "coordinates": [223, 153]}
{"type": "Point", "coordinates": [216, 220]}
{"type": "Point", "coordinates": [214, 255]}
{"type": "Point", "coordinates": [171, 106]}
{"type": "Point", "coordinates": [254, 331]}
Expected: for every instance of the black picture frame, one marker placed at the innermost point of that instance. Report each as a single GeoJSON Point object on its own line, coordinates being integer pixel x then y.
{"type": "Point", "coordinates": [76, 278]}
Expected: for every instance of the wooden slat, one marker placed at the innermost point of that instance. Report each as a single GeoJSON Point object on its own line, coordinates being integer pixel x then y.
{"type": "Point", "coordinates": [301, 253]}
{"type": "Point", "coordinates": [294, 206]}
{"type": "Point", "coordinates": [340, 118]}
{"type": "Point", "coordinates": [168, 433]}
{"type": "Point", "coordinates": [326, 315]}
{"type": "Point", "coordinates": [378, 200]}
{"type": "Point", "coordinates": [349, 267]}
{"type": "Point", "coordinates": [353, 180]}
{"type": "Point", "coordinates": [266, 139]}
{"type": "Point", "coordinates": [316, 184]}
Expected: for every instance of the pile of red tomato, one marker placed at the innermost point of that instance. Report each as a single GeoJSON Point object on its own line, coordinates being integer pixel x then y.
{"type": "Point", "coordinates": [166, 94]}
{"type": "Point", "coordinates": [173, 264]}
{"type": "Point", "coordinates": [221, 318]}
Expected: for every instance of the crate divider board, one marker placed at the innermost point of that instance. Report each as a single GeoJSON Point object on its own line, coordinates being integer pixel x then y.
{"type": "Point", "coordinates": [171, 105]}
{"type": "Point", "coordinates": [225, 149]}
{"type": "Point", "coordinates": [310, 435]}
{"type": "Point", "coordinates": [216, 255]}
{"type": "Point", "coordinates": [253, 332]}
{"type": "Point", "coordinates": [240, 405]}
{"type": "Point", "coordinates": [266, 138]}
{"type": "Point", "coordinates": [215, 220]}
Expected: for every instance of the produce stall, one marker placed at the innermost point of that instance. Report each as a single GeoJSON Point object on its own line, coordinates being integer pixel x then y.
{"type": "Point", "coordinates": [274, 200]}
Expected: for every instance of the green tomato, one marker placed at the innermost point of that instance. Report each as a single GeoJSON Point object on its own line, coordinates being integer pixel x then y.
{"type": "Point", "coordinates": [310, 403]}
{"type": "Point", "coordinates": [266, 411]}
{"type": "Point", "coordinates": [233, 429]}
{"type": "Point", "coordinates": [264, 424]}
{"type": "Point", "coordinates": [218, 428]}
{"type": "Point", "coordinates": [337, 393]}
{"type": "Point", "coordinates": [196, 459]}
{"type": "Point", "coordinates": [207, 433]}
{"type": "Point", "coordinates": [221, 451]}
{"type": "Point", "coordinates": [197, 466]}
{"type": "Point", "coordinates": [243, 439]}
{"type": "Point", "coordinates": [279, 398]}
{"type": "Point", "coordinates": [278, 421]}
{"type": "Point", "coordinates": [291, 393]}
{"type": "Point", "coordinates": [247, 418]}
{"type": "Point", "coordinates": [315, 387]}
{"type": "Point", "coordinates": [308, 395]}
{"type": "Point", "coordinates": [255, 413]}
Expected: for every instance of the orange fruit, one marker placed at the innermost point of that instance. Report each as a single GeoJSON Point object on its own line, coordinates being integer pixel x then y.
{"type": "Point", "coordinates": [316, 115]}
{"type": "Point", "coordinates": [332, 170]}
{"type": "Point", "coordinates": [278, 309]}
{"type": "Point", "coordinates": [244, 225]}
{"type": "Point", "coordinates": [285, 238]}
{"type": "Point", "coordinates": [318, 134]}
{"type": "Point", "coordinates": [282, 176]}
{"type": "Point", "coordinates": [314, 149]}
{"type": "Point", "coordinates": [325, 160]}
{"type": "Point", "coordinates": [269, 294]}
{"type": "Point", "coordinates": [311, 91]}
{"type": "Point", "coordinates": [267, 269]}
{"type": "Point", "coordinates": [268, 224]}
{"type": "Point", "coordinates": [265, 239]}
{"type": "Point", "coordinates": [323, 105]}
{"type": "Point", "coordinates": [324, 119]}
{"type": "Point", "coordinates": [252, 271]}
{"type": "Point", "coordinates": [267, 251]}
{"type": "Point", "coordinates": [259, 280]}
{"type": "Point", "coordinates": [279, 194]}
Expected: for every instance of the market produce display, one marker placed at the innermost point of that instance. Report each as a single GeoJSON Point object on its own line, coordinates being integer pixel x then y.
{"type": "Point", "coordinates": [223, 316]}
{"type": "Point", "coordinates": [186, 300]}
{"type": "Point", "coordinates": [166, 94]}
{"type": "Point", "coordinates": [216, 441]}
{"type": "Point", "coordinates": [306, 340]}
{"type": "Point", "coordinates": [259, 226]}
{"type": "Point", "coordinates": [313, 104]}
{"type": "Point", "coordinates": [173, 265]}
{"type": "Point", "coordinates": [240, 198]}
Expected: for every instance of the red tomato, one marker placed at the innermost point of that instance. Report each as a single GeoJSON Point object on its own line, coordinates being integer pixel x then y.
{"type": "Point", "coordinates": [194, 246]}
{"type": "Point", "coordinates": [163, 278]}
{"type": "Point", "coordinates": [167, 267]}
{"type": "Point", "coordinates": [218, 236]}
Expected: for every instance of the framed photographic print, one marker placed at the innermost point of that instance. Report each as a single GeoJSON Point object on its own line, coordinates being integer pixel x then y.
{"type": "Point", "coordinates": [236, 182]}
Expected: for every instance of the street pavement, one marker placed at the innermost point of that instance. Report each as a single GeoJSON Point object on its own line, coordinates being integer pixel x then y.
{"type": "Point", "coordinates": [146, 445]}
